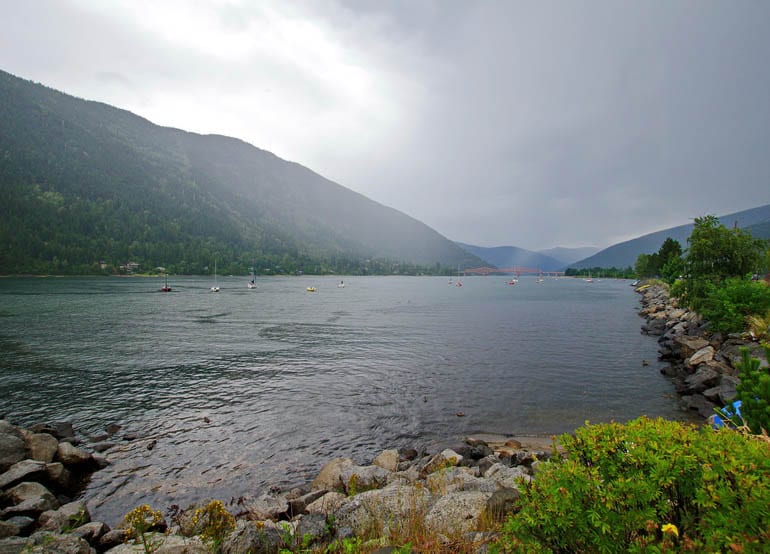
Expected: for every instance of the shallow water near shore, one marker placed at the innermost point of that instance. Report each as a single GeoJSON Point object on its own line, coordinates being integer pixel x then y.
{"type": "Point", "coordinates": [248, 389]}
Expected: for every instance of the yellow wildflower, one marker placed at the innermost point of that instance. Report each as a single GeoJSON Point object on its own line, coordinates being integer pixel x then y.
{"type": "Point", "coordinates": [671, 529]}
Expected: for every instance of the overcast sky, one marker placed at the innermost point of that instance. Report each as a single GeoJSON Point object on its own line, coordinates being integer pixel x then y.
{"type": "Point", "coordinates": [533, 124]}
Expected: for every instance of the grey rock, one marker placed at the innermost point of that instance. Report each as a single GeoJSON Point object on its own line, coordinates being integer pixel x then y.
{"type": "Point", "coordinates": [8, 529]}
{"type": "Point", "coordinates": [92, 531]}
{"type": "Point", "coordinates": [690, 345]}
{"type": "Point", "coordinates": [267, 507]}
{"type": "Point", "coordinates": [44, 542]}
{"type": "Point", "coordinates": [329, 476]}
{"type": "Point", "coordinates": [327, 504]}
{"type": "Point", "coordinates": [112, 538]}
{"type": "Point", "coordinates": [24, 523]}
{"type": "Point", "coordinates": [363, 478]}
{"type": "Point", "coordinates": [72, 455]}
{"type": "Point", "coordinates": [58, 475]}
{"type": "Point", "coordinates": [458, 479]}
{"type": "Point", "coordinates": [700, 404]}
{"type": "Point", "coordinates": [388, 459]}
{"type": "Point", "coordinates": [29, 498]}
{"type": "Point", "coordinates": [389, 508]}
{"type": "Point", "coordinates": [705, 354]}
{"type": "Point", "coordinates": [102, 446]}
{"type": "Point", "coordinates": [444, 459]}
{"type": "Point", "coordinates": [13, 449]}
{"type": "Point", "coordinates": [247, 537]}
{"type": "Point", "coordinates": [12, 545]}
{"type": "Point", "coordinates": [502, 503]}
{"type": "Point", "coordinates": [457, 512]}
{"type": "Point", "coordinates": [703, 378]}
{"type": "Point", "coordinates": [313, 528]}
{"type": "Point", "coordinates": [25, 470]}
{"type": "Point", "coordinates": [508, 477]}
{"type": "Point", "coordinates": [727, 389]}
{"type": "Point", "coordinates": [73, 514]}
{"type": "Point", "coordinates": [297, 505]}
{"type": "Point", "coordinates": [165, 544]}
{"type": "Point", "coordinates": [42, 446]}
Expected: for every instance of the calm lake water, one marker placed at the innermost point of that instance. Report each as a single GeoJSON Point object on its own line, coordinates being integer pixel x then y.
{"type": "Point", "coordinates": [246, 389]}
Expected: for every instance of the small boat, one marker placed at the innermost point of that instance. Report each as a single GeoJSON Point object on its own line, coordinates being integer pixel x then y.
{"type": "Point", "coordinates": [341, 285]}
{"type": "Point", "coordinates": [459, 282]}
{"type": "Point", "coordinates": [253, 282]}
{"type": "Point", "coordinates": [311, 289]}
{"type": "Point", "coordinates": [589, 280]}
{"type": "Point", "coordinates": [165, 287]}
{"type": "Point", "coordinates": [513, 281]}
{"type": "Point", "coordinates": [215, 288]}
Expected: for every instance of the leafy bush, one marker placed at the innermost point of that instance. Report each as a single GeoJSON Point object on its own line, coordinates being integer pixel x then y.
{"type": "Point", "coordinates": [754, 392]}
{"type": "Point", "coordinates": [728, 305]}
{"type": "Point", "coordinates": [647, 486]}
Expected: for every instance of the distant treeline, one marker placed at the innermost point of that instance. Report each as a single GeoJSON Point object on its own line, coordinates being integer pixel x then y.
{"type": "Point", "coordinates": [606, 272]}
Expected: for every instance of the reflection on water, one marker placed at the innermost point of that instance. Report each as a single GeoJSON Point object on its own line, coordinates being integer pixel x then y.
{"type": "Point", "coordinates": [251, 388]}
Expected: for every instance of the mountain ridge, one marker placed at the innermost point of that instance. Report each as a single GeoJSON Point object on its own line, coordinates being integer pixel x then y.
{"type": "Point", "coordinates": [86, 182]}
{"type": "Point", "coordinates": [624, 254]}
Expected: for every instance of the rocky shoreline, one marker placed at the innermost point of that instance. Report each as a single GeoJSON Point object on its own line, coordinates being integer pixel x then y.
{"type": "Point", "coordinates": [702, 364]}
{"type": "Point", "coordinates": [455, 494]}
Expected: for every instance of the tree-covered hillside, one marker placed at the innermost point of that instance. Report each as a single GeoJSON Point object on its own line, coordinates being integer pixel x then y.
{"type": "Point", "coordinates": [86, 187]}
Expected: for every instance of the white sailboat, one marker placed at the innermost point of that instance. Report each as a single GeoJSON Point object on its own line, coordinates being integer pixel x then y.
{"type": "Point", "coordinates": [215, 288]}
{"type": "Point", "coordinates": [253, 282]}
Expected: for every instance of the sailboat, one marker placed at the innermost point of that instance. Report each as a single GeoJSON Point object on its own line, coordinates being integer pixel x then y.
{"type": "Point", "coordinates": [165, 287]}
{"type": "Point", "coordinates": [215, 288]}
{"type": "Point", "coordinates": [459, 283]}
{"type": "Point", "coordinates": [589, 280]}
{"type": "Point", "coordinates": [253, 282]}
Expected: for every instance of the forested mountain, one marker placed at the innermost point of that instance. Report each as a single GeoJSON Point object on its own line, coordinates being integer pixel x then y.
{"type": "Point", "coordinates": [509, 256]}
{"type": "Point", "coordinates": [624, 254]}
{"type": "Point", "coordinates": [82, 182]}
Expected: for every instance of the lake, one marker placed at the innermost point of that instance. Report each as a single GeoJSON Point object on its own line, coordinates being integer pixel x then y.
{"type": "Point", "coordinates": [248, 389]}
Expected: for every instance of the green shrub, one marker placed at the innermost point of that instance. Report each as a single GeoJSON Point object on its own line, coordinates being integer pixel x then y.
{"type": "Point", "coordinates": [728, 304]}
{"type": "Point", "coordinates": [647, 486]}
{"type": "Point", "coordinates": [754, 392]}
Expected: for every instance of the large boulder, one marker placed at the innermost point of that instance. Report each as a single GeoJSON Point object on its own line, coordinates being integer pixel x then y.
{"type": "Point", "coordinates": [329, 477]}
{"type": "Point", "coordinates": [458, 479]}
{"type": "Point", "coordinates": [508, 477]}
{"type": "Point", "coordinates": [704, 378]}
{"type": "Point", "coordinates": [25, 470]}
{"type": "Point", "coordinates": [267, 507]}
{"type": "Point", "coordinates": [387, 509]}
{"type": "Point", "coordinates": [690, 345]}
{"type": "Point", "coordinates": [72, 455]}
{"type": "Point", "coordinates": [28, 498]}
{"type": "Point", "coordinates": [502, 503]}
{"type": "Point", "coordinates": [68, 516]}
{"type": "Point", "coordinates": [705, 354]}
{"type": "Point", "coordinates": [250, 536]}
{"type": "Point", "coordinates": [388, 459]}
{"type": "Point", "coordinates": [363, 478]}
{"type": "Point", "coordinates": [44, 542]}
{"type": "Point", "coordinates": [328, 503]}
{"type": "Point", "coordinates": [297, 505]}
{"type": "Point", "coordinates": [8, 529]}
{"type": "Point", "coordinates": [42, 446]}
{"type": "Point", "coordinates": [165, 544]}
{"type": "Point", "coordinates": [444, 459]}
{"type": "Point", "coordinates": [62, 430]}
{"type": "Point", "coordinates": [455, 512]}
{"type": "Point", "coordinates": [12, 446]}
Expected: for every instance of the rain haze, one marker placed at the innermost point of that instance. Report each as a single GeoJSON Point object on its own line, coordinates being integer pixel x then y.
{"type": "Point", "coordinates": [533, 124]}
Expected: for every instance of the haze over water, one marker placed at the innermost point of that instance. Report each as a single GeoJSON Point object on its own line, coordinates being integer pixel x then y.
{"type": "Point", "coordinates": [244, 390]}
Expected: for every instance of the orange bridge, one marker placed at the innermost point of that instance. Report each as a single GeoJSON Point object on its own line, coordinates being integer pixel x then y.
{"type": "Point", "coordinates": [510, 270]}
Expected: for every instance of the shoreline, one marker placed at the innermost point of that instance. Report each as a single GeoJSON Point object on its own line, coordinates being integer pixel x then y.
{"type": "Point", "coordinates": [702, 365]}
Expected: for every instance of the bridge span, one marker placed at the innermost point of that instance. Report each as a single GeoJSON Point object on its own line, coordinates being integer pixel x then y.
{"type": "Point", "coordinates": [515, 270]}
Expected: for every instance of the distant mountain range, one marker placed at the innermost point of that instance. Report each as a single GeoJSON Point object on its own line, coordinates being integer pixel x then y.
{"type": "Point", "coordinates": [84, 185]}
{"type": "Point", "coordinates": [624, 254]}
{"type": "Point", "coordinates": [554, 259]}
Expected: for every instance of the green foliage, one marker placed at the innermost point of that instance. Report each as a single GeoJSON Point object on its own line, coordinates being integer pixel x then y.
{"type": "Point", "coordinates": [601, 272]}
{"type": "Point", "coordinates": [666, 262]}
{"type": "Point", "coordinates": [647, 486]}
{"type": "Point", "coordinates": [728, 305]}
{"type": "Point", "coordinates": [754, 391]}
{"type": "Point", "coordinates": [716, 253]}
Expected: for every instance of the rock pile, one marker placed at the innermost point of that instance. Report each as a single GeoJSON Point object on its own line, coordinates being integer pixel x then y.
{"type": "Point", "coordinates": [456, 491]}
{"type": "Point", "coordinates": [703, 365]}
